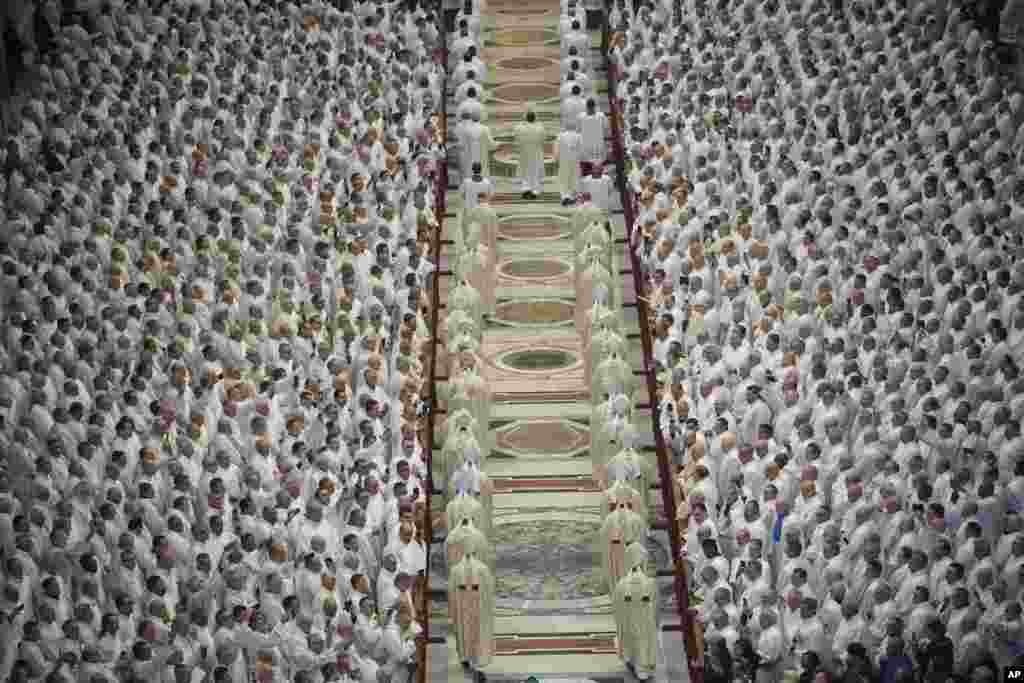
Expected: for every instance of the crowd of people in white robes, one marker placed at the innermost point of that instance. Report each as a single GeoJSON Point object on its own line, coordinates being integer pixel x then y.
{"type": "Point", "coordinates": [828, 208]}
{"type": "Point", "coordinates": [215, 302]}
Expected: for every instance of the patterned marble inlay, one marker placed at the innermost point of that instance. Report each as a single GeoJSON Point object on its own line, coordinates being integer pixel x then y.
{"type": "Point", "coordinates": [561, 383]}
{"type": "Point", "coordinates": [525, 63]}
{"type": "Point", "coordinates": [549, 272]}
{"type": "Point", "coordinates": [538, 360]}
{"type": "Point", "coordinates": [548, 560]}
{"type": "Point", "coordinates": [535, 312]}
{"type": "Point", "coordinates": [519, 8]}
{"type": "Point", "coordinates": [542, 436]}
{"type": "Point", "coordinates": [535, 267]}
{"type": "Point", "coordinates": [532, 227]}
{"type": "Point", "coordinates": [518, 93]}
{"type": "Point", "coordinates": [524, 37]}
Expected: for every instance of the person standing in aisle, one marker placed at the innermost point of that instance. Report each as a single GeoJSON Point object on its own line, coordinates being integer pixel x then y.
{"type": "Point", "coordinates": [530, 136]}
{"type": "Point", "coordinates": [568, 151]}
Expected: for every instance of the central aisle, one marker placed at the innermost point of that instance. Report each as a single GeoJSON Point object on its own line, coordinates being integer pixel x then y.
{"type": "Point", "coordinates": [554, 615]}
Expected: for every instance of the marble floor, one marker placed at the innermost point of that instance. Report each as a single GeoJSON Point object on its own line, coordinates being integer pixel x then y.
{"type": "Point", "coordinates": [553, 617]}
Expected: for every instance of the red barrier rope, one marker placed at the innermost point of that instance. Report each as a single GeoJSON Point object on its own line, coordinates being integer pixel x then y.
{"type": "Point", "coordinates": [693, 651]}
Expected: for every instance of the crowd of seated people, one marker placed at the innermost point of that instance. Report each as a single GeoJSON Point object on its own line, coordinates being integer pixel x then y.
{"type": "Point", "coordinates": [828, 211]}
{"type": "Point", "coordinates": [215, 345]}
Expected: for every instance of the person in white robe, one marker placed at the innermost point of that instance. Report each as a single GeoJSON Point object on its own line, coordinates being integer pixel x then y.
{"type": "Point", "coordinates": [594, 130]}
{"type": "Point", "coordinates": [530, 137]}
{"type": "Point", "coordinates": [599, 187]}
{"type": "Point", "coordinates": [475, 145]}
{"type": "Point", "coordinates": [568, 153]}
{"type": "Point", "coordinates": [573, 106]}
{"type": "Point", "coordinates": [475, 186]}
{"type": "Point", "coordinates": [770, 647]}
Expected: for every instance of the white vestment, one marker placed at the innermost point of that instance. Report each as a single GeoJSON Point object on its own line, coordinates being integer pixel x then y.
{"type": "Point", "coordinates": [594, 129]}
{"type": "Point", "coordinates": [530, 137]}
{"type": "Point", "coordinates": [475, 145]}
{"type": "Point", "coordinates": [569, 150]}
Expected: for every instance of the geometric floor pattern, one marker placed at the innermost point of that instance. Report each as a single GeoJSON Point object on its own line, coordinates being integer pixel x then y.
{"type": "Point", "coordinates": [553, 613]}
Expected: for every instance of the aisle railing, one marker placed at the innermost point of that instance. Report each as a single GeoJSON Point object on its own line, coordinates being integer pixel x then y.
{"type": "Point", "coordinates": [694, 654]}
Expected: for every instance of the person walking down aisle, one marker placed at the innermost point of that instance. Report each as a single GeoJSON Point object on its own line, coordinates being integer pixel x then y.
{"type": "Point", "coordinates": [475, 143]}
{"type": "Point", "coordinates": [636, 615]}
{"type": "Point", "coordinates": [530, 136]}
{"type": "Point", "coordinates": [567, 152]}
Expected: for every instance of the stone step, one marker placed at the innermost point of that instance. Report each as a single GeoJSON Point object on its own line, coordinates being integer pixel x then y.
{"type": "Point", "coordinates": [523, 626]}
{"type": "Point", "coordinates": [527, 500]}
{"type": "Point", "coordinates": [568, 666]}
{"type": "Point", "coordinates": [530, 468]}
{"type": "Point", "coordinates": [524, 410]}
{"type": "Point", "coordinates": [509, 668]}
{"type": "Point", "coordinates": [546, 485]}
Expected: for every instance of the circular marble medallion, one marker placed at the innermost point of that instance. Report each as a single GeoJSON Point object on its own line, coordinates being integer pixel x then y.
{"type": "Point", "coordinates": [543, 312]}
{"type": "Point", "coordinates": [524, 37]}
{"type": "Point", "coordinates": [534, 268]}
{"type": "Point", "coordinates": [516, 227]}
{"type": "Point", "coordinates": [525, 63]}
{"type": "Point", "coordinates": [538, 360]}
{"type": "Point", "coordinates": [518, 93]}
{"type": "Point", "coordinates": [542, 436]}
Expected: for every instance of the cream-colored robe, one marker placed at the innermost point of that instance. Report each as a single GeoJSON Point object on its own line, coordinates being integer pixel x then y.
{"type": "Point", "coordinates": [458, 322]}
{"type": "Point", "coordinates": [610, 372]}
{"type": "Point", "coordinates": [487, 218]}
{"type": "Point", "coordinates": [464, 506]}
{"type": "Point", "coordinates": [599, 316]}
{"type": "Point", "coordinates": [530, 137]}
{"type": "Point", "coordinates": [584, 216]}
{"type": "Point", "coordinates": [568, 150]}
{"type": "Point", "coordinates": [455, 450]}
{"type": "Point", "coordinates": [636, 620]}
{"type": "Point", "coordinates": [604, 343]}
{"type": "Point", "coordinates": [619, 529]}
{"type": "Point", "coordinates": [476, 264]}
{"type": "Point", "coordinates": [593, 274]}
{"type": "Point", "coordinates": [481, 487]}
{"type": "Point", "coordinates": [466, 298]}
{"type": "Point", "coordinates": [467, 539]}
{"type": "Point", "coordinates": [471, 587]}
{"type": "Point", "coordinates": [631, 457]}
{"type": "Point", "coordinates": [621, 493]}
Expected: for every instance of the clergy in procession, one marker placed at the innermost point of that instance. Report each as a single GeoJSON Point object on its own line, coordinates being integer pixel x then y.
{"type": "Point", "coordinates": [568, 151]}
{"type": "Point", "coordinates": [620, 528]}
{"type": "Point", "coordinates": [476, 262]}
{"type": "Point", "coordinates": [594, 268]}
{"type": "Point", "coordinates": [471, 585]}
{"type": "Point", "coordinates": [474, 186]}
{"type": "Point", "coordinates": [599, 187]}
{"type": "Point", "coordinates": [475, 145]}
{"type": "Point", "coordinates": [593, 126]}
{"type": "Point", "coordinates": [466, 539]}
{"type": "Point", "coordinates": [530, 138]}
{"type": "Point", "coordinates": [635, 600]}
{"type": "Point", "coordinates": [573, 106]}
{"type": "Point", "coordinates": [484, 215]}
